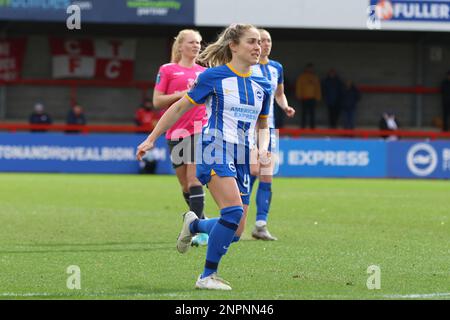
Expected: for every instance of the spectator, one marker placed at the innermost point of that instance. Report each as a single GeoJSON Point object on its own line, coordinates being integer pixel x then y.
{"type": "Point", "coordinates": [445, 90]}
{"type": "Point", "coordinates": [146, 115]}
{"type": "Point", "coordinates": [76, 117]}
{"type": "Point", "coordinates": [39, 116]}
{"type": "Point", "coordinates": [389, 122]}
{"type": "Point", "coordinates": [308, 92]}
{"type": "Point", "coordinates": [350, 98]}
{"type": "Point", "coordinates": [332, 92]}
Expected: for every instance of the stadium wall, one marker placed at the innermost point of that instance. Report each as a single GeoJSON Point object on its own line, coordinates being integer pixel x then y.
{"type": "Point", "coordinates": [364, 59]}
{"type": "Point", "coordinates": [102, 104]}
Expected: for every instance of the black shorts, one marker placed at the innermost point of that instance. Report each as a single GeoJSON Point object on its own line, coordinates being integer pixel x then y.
{"type": "Point", "coordinates": [182, 151]}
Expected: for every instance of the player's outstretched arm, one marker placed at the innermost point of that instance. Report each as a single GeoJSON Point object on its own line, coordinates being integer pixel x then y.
{"type": "Point", "coordinates": [167, 120]}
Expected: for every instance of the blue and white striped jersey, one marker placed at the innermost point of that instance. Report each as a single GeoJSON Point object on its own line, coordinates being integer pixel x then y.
{"type": "Point", "coordinates": [233, 102]}
{"type": "Point", "coordinates": [272, 71]}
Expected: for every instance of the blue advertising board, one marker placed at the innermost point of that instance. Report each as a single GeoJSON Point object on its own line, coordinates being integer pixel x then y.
{"type": "Point", "coordinates": [332, 158]}
{"type": "Point", "coordinates": [116, 153]}
{"type": "Point", "coordinates": [419, 159]}
{"type": "Point", "coordinates": [175, 12]}
{"type": "Point", "coordinates": [77, 153]}
{"type": "Point", "coordinates": [412, 10]}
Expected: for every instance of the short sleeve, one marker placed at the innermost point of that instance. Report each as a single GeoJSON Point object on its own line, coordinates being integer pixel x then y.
{"type": "Point", "coordinates": [162, 80]}
{"type": "Point", "coordinates": [265, 107]}
{"type": "Point", "coordinates": [266, 101]}
{"type": "Point", "coordinates": [203, 87]}
{"type": "Point", "coordinates": [280, 74]}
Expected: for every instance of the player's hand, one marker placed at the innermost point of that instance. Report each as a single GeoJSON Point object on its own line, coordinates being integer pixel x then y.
{"type": "Point", "coordinates": [143, 148]}
{"type": "Point", "coordinates": [290, 112]}
{"type": "Point", "coordinates": [264, 157]}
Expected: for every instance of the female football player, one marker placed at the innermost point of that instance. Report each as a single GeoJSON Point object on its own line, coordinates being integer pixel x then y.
{"type": "Point", "coordinates": [273, 72]}
{"type": "Point", "coordinates": [173, 81]}
{"type": "Point", "coordinates": [236, 101]}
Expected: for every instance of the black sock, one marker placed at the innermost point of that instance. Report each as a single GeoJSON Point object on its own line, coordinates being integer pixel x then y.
{"type": "Point", "coordinates": [197, 201]}
{"type": "Point", "coordinates": [186, 198]}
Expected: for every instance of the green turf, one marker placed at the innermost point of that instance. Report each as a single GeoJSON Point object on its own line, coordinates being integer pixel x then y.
{"type": "Point", "coordinates": [121, 231]}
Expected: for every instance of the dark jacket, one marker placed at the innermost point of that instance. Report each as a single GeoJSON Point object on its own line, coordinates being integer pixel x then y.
{"type": "Point", "coordinates": [332, 90]}
{"type": "Point", "coordinates": [74, 119]}
{"type": "Point", "coordinates": [40, 118]}
{"type": "Point", "coordinates": [350, 97]}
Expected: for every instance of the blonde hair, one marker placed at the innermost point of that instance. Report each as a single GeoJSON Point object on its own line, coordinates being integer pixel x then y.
{"type": "Point", "coordinates": [176, 54]}
{"type": "Point", "coordinates": [261, 30]}
{"type": "Point", "coordinates": [219, 52]}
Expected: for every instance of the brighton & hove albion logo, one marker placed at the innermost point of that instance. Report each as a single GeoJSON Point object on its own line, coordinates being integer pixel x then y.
{"type": "Point", "coordinates": [259, 95]}
{"type": "Point", "coordinates": [422, 159]}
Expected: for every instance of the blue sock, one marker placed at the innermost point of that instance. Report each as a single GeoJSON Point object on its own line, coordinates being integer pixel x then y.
{"type": "Point", "coordinates": [203, 225]}
{"type": "Point", "coordinates": [263, 199]}
{"type": "Point", "coordinates": [235, 239]}
{"type": "Point", "coordinates": [252, 182]}
{"type": "Point", "coordinates": [221, 236]}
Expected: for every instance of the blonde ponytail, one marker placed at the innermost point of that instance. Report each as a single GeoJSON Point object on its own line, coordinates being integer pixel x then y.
{"type": "Point", "coordinates": [219, 52]}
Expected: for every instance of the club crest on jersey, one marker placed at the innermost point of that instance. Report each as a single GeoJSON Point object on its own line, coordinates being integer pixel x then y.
{"type": "Point", "coordinates": [232, 167]}
{"type": "Point", "coordinates": [259, 95]}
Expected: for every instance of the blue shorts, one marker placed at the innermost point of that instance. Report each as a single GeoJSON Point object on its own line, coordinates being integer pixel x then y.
{"type": "Point", "coordinates": [226, 165]}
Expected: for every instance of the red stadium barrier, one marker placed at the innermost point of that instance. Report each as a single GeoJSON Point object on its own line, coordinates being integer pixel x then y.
{"type": "Point", "coordinates": [433, 135]}
{"type": "Point", "coordinates": [296, 133]}
{"type": "Point", "coordinates": [146, 85]}
{"type": "Point", "coordinates": [398, 89]}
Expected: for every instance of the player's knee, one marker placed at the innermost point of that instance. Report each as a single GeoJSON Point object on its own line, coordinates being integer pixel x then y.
{"type": "Point", "coordinates": [232, 215]}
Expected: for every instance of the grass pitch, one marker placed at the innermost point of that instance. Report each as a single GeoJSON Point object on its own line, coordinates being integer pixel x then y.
{"type": "Point", "coordinates": [121, 232]}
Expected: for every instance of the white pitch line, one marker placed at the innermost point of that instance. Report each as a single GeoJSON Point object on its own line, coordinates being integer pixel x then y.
{"type": "Point", "coordinates": [81, 295]}
{"type": "Point", "coordinates": [175, 295]}
{"type": "Point", "coordinates": [418, 296]}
